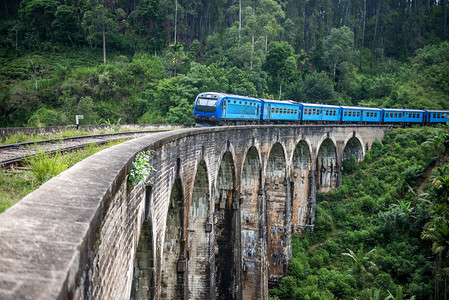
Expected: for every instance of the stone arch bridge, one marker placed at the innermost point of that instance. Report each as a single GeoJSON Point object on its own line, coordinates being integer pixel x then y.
{"type": "Point", "coordinates": [214, 223]}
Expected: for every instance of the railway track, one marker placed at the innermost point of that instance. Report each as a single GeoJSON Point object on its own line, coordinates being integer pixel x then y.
{"type": "Point", "coordinates": [15, 153]}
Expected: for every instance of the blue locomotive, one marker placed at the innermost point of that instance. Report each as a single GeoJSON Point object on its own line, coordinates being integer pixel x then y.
{"type": "Point", "coordinates": [213, 108]}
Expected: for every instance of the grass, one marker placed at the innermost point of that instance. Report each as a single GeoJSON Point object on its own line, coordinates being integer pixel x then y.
{"type": "Point", "coordinates": [22, 137]}
{"type": "Point", "coordinates": [16, 183]}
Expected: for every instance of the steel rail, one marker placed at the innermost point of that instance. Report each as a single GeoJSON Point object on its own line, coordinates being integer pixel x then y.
{"type": "Point", "coordinates": [19, 157]}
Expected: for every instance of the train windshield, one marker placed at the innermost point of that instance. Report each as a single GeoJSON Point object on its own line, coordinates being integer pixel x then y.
{"type": "Point", "coordinates": [206, 102]}
{"type": "Point", "coordinates": [206, 105]}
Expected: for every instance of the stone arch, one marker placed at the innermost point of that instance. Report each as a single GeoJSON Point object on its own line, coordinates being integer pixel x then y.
{"type": "Point", "coordinates": [172, 281]}
{"type": "Point", "coordinates": [198, 236]}
{"type": "Point", "coordinates": [353, 147]}
{"type": "Point", "coordinates": [327, 166]}
{"type": "Point", "coordinates": [276, 210]}
{"type": "Point", "coordinates": [252, 277]}
{"type": "Point", "coordinates": [301, 177]}
{"type": "Point", "coordinates": [223, 229]}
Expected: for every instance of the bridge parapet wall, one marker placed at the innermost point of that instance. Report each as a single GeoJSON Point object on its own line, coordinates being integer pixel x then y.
{"type": "Point", "coordinates": [78, 235]}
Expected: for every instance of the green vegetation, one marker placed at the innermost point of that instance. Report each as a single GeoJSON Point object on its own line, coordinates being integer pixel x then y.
{"type": "Point", "coordinates": [382, 233]}
{"type": "Point", "coordinates": [17, 183]}
{"type": "Point", "coordinates": [141, 168]}
{"type": "Point", "coordinates": [144, 61]}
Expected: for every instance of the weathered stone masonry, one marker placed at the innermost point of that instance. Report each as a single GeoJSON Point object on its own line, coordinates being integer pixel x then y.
{"type": "Point", "coordinates": [215, 222]}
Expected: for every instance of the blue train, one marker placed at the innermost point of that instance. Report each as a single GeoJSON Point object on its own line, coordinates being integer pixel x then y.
{"type": "Point", "coordinates": [213, 108]}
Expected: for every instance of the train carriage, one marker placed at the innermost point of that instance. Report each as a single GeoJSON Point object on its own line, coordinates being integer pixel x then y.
{"type": "Point", "coordinates": [281, 111]}
{"type": "Point", "coordinates": [437, 116]}
{"type": "Point", "coordinates": [414, 116]}
{"type": "Point", "coordinates": [391, 115]}
{"type": "Point", "coordinates": [371, 115]}
{"type": "Point", "coordinates": [320, 112]}
{"type": "Point", "coordinates": [351, 114]}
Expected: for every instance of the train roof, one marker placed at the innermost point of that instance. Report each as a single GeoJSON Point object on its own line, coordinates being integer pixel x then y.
{"type": "Point", "coordinates": [361, 108]}
{"type": "Point", "coordinates": [402, 109]}
{"type": "Point", "coordinates": [280, 101]}
{"type": "Point", "coordinates": [320, 105]}
{"type": "Point", "coordinates": [438, 111]}
{"type": "Point", "coordinates": [221, 95]}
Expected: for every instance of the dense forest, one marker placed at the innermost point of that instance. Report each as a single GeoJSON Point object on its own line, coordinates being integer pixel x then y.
{"type": "Point", "coordinates": [144, 61]}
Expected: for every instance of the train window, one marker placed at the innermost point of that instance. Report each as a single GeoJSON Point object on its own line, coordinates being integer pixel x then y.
{"type": "Point", "coordinates": [272, 110]}
{"type": "Point", "coordinates": [439, 115]}
{"type": "Point", "coordinates": [235, 101]}
{"type": "Point", "coordinates": [345, 113]}
{"type": "Point", "coordinates": [400, 115]}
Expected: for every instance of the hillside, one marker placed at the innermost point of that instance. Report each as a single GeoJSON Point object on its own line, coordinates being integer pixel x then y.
{"type": "Point", "coordinates": [383, 231]}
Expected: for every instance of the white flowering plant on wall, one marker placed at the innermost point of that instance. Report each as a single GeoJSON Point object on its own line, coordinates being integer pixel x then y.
{"type": "Point", "coordinates": [141, 168]}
